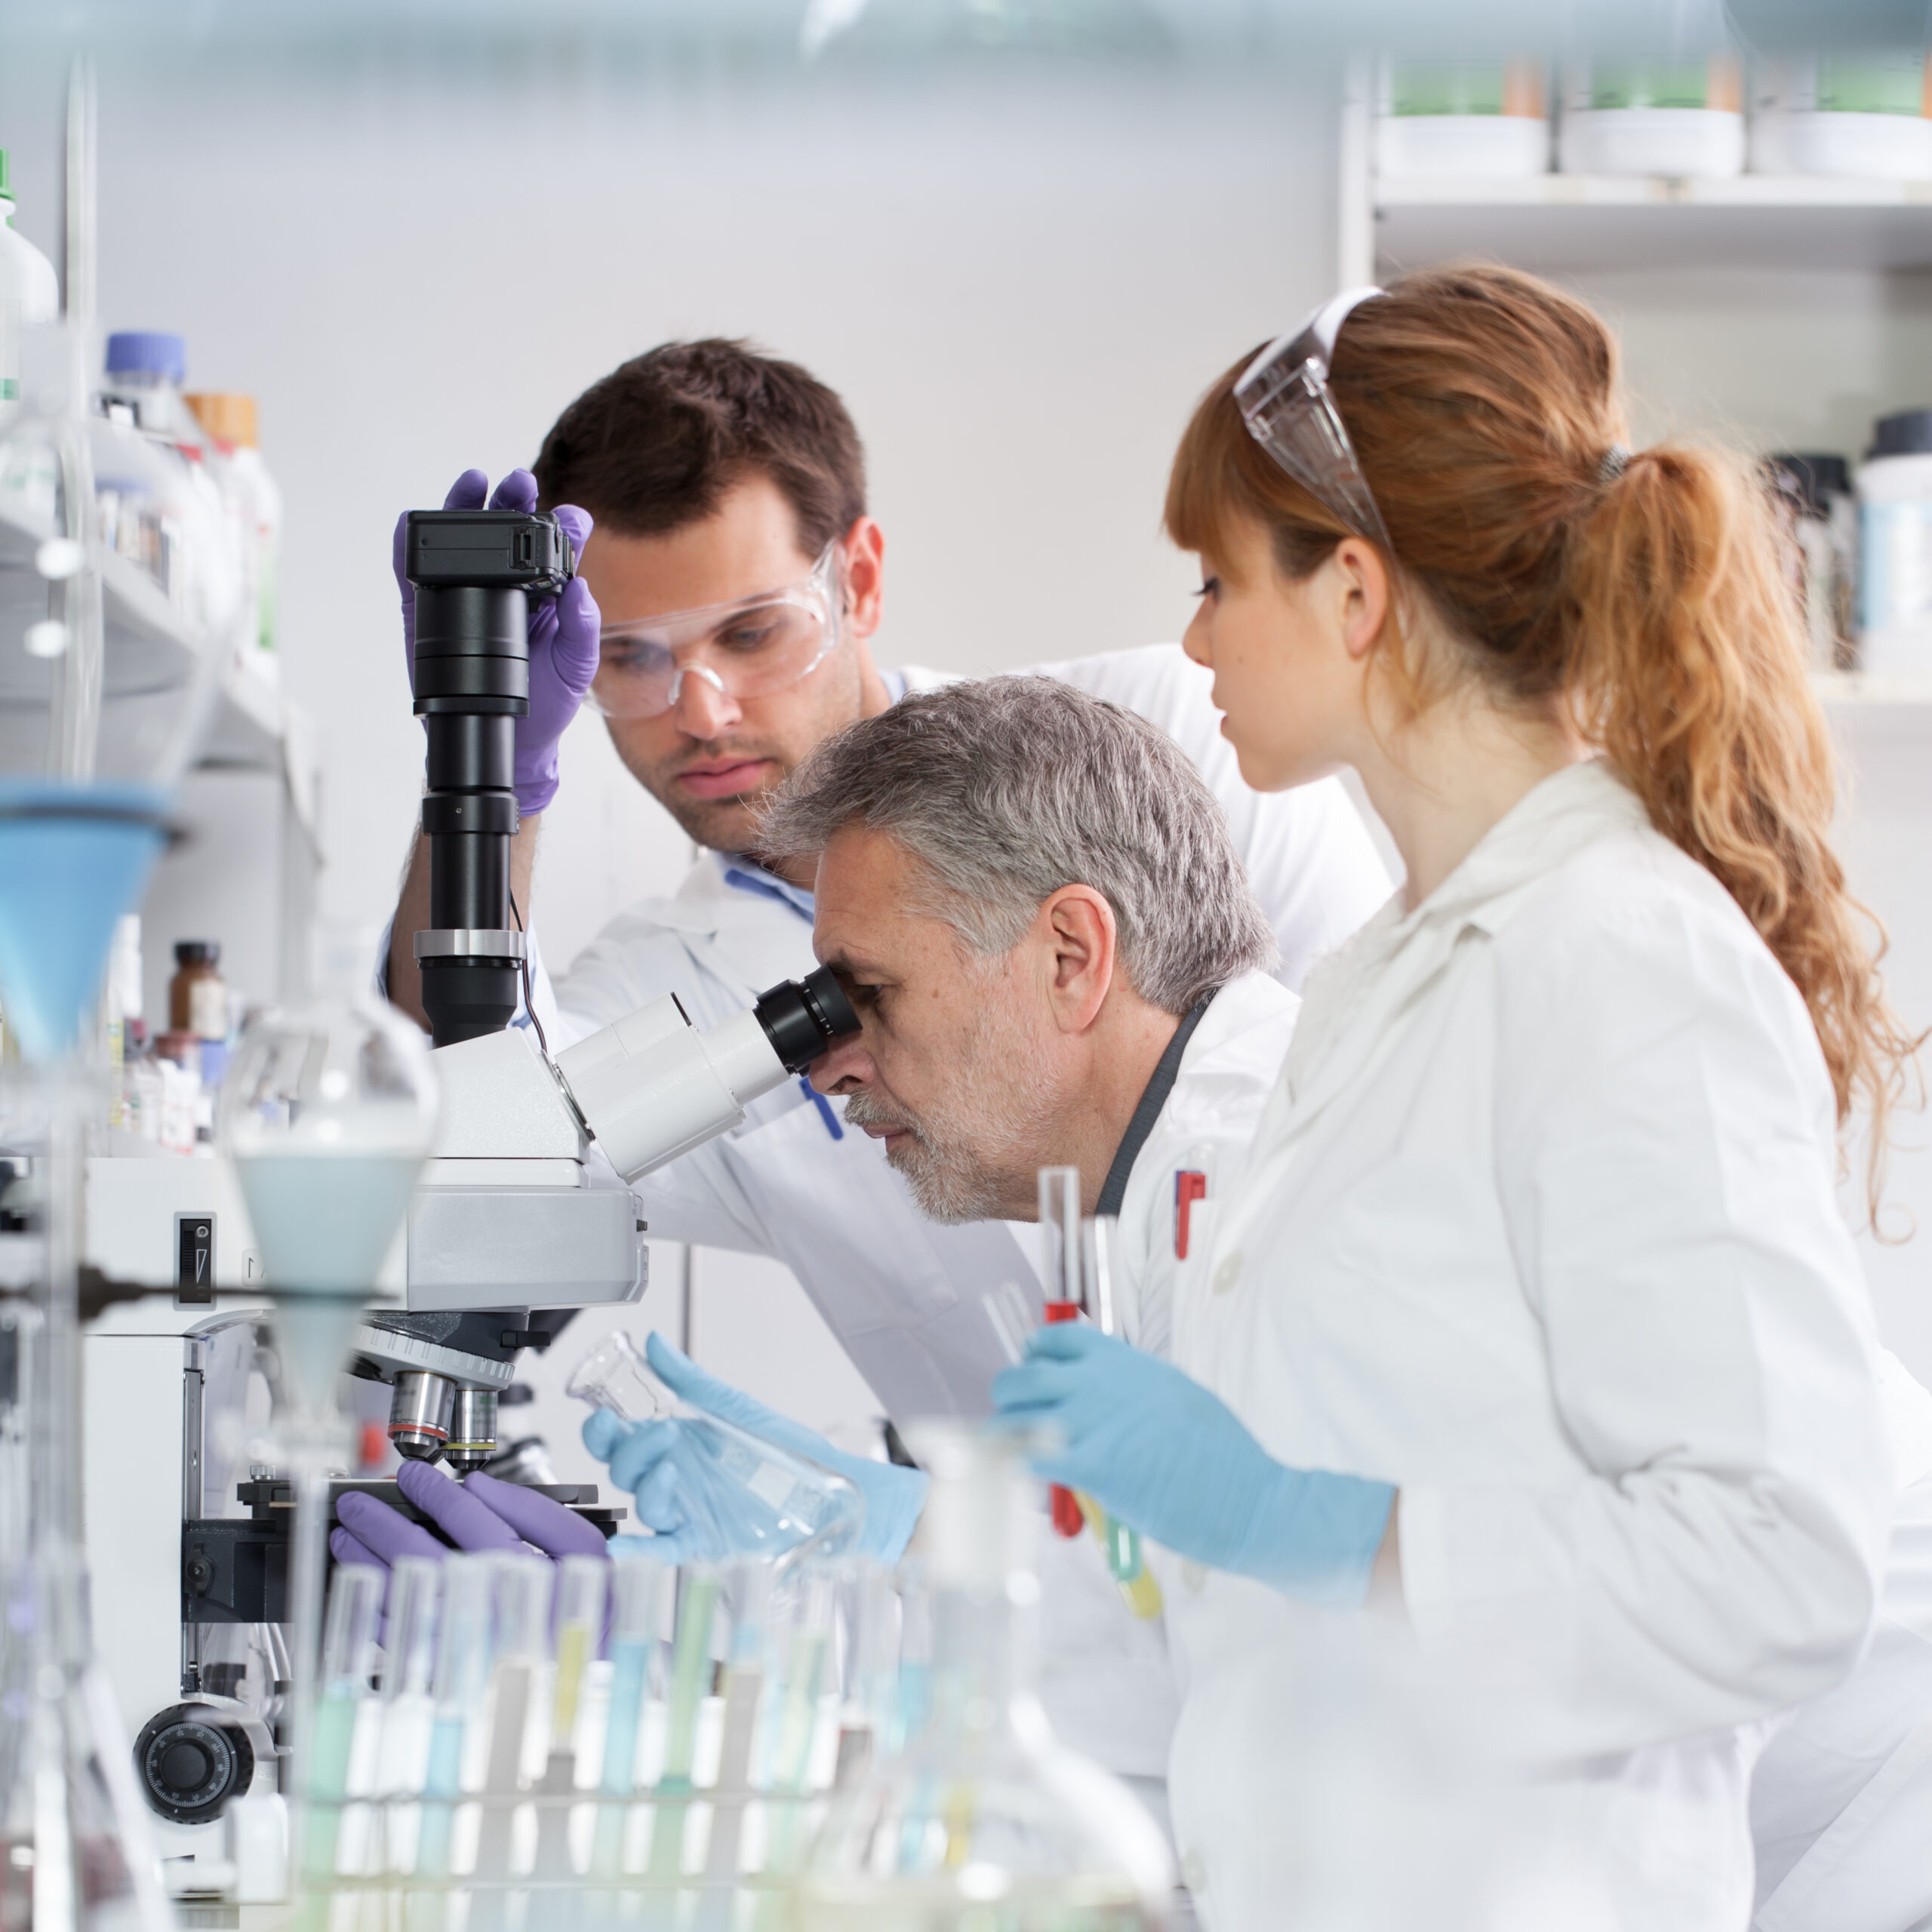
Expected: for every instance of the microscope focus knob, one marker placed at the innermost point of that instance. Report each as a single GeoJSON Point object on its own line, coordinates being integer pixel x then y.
{"type": "Point", "coordinates": [190, 1765]}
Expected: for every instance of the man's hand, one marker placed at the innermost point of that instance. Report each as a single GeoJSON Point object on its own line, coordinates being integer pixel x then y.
{"type": "Point", "coordinates": [1171, 1459]}
{"type": "Point", "coordinates": [563, 634]}
{"type": "Point", "coordinates": [480, 1514]}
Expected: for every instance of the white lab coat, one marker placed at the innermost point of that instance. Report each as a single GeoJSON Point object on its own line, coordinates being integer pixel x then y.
{"type": "Point", "coordinates": [901, 1293]}
{"type": "Point", "coordinates": [1842, 1800]}
{"type": "Point", "coordinates": [1540, 1227]}
{"type": "Point", "coordinates": [1106, 1679]}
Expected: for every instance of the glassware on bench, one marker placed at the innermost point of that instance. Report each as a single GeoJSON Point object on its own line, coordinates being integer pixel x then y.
{"type": "Point", "coordinates": [984, 1819]}
{"type": "Point", "coordinates": [749, 1498]}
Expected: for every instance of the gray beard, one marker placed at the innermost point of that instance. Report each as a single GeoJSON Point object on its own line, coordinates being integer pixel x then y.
{"type": "Point", "coordinates": [973, 1158]}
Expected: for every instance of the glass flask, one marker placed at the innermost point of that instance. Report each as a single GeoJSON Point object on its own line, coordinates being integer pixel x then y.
{"type": "Point", "coordinates": [984, 1823]}
{"type": "Point", "coordinates": [746, 1496]}
{"type": "Point", "coordinates": [327, 1113]}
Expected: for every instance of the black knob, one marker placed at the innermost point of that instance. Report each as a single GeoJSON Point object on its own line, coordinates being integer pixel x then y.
{"type": "Point", "coordinates": [190, 1764]}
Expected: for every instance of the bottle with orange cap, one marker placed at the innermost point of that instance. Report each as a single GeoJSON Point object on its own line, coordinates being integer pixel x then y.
{"type": "Point", "coordinates": [229, 420]}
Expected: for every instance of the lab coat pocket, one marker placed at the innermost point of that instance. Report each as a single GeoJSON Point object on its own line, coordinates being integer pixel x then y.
{"type": "Point", "coordinates": [839, 1217]}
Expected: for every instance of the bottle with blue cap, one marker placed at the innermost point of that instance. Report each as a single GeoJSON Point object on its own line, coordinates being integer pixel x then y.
{"type": "Point", "coordinates": [159, 485]}
{"type": "Point", "coordinates": [145, 368]}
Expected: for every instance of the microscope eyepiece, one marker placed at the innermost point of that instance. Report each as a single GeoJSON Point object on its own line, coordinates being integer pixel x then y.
{"type": "Point", "coordinates": [801, 1018]}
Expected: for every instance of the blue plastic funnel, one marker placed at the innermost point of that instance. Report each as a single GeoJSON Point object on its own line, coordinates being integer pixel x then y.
{"type": "Point", "coordinates": [73, 858]}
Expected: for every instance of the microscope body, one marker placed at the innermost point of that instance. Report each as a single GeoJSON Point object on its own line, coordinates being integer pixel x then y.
{"type": "Point", "coordinates": [519, 1212]}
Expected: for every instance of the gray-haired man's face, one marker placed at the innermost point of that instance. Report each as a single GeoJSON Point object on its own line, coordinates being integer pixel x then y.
{"type": "Point", "coordinates": [957, 1067]}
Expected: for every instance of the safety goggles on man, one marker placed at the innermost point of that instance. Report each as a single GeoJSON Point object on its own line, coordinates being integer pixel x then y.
{"type": "Point", "coordinates": [1284, 398]}
{"type": "Point", "coordinates": [749, 647]}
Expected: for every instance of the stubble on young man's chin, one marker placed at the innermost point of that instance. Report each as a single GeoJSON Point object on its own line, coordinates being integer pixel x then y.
{"type": "Point", "coordinates": [720, 824]}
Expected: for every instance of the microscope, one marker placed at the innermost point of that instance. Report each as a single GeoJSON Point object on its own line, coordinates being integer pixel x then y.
{"type": "Point", "coordinates": [525, 1211]}
{"type": "Point", "coordinates": [523, 1215]}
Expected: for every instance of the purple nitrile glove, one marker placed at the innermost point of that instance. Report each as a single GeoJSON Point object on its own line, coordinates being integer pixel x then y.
{"type": "Point", "coordinates": [480, 1514]}
{"type": "Point", "coordinates": [563, 634]}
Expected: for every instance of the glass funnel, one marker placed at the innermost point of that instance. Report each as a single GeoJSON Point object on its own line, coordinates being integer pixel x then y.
{"type": "Point", "coordinates": [327, 1112]}
{"type": "Point", "coordinates": [745, 1497]}
{"type": "Point", "coordinates": [984, 1820]}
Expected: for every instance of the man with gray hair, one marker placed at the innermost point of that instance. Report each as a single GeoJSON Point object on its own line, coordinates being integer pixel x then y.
{"type": "Point", "coordinates": [1033, 901]}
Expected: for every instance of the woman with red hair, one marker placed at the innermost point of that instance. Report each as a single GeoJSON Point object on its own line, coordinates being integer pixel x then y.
{"type": "Point", "coordinates": [1533, 1311]}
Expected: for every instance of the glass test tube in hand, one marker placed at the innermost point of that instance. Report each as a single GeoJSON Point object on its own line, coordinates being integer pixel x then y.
{"type": "Point", "coordinates": [1060, 1277]}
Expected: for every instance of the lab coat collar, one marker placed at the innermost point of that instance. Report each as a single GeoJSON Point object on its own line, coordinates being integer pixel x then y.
{"type": "Point", "coordinates": [1363, 986]}
{"type": "Point", "coordinates": [746, 875]}
{"type": "Point", "coordinates": [1569, 810]}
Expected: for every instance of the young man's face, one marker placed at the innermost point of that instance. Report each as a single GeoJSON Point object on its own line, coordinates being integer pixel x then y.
{"type": "Point", "coordinates": [712, 758]}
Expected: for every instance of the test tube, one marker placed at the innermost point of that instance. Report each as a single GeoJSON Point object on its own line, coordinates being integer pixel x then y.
{"type": "Point", "coordinates": [640, 1590]}
{"type": "Point", "coordinates": [691, 1675]}
{"type": "Point", "coordinates": [462, 1677]}
{"type": "Point", "coordinates": [520, 1671]}
{"type": "Point", "coordinates": [1059, 1275]}
{"type": "Point", "coordinates": [1100, 1235]}
{"type": "Point", "coordinates": [746, 1601]}
{"type": "Point", "coordinates": [349, 1661]}
{"type": "Point", "coordinates": [408, 1702]}
{"type": "Point", "coordinates": [1059, 1237]}
{"type": "Point", "coordinates": [869, 1674]}
{"type": "Point", "coordinates": [583, 1585]}
{"type": "Point", "coordinates": [641, 1593]}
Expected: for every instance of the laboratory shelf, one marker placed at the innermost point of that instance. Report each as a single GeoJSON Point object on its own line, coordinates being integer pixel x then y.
{"type": "Point", "coordinates": [149, 647]}
{"type": "Point", "coordinates": [1579, 222]}
{"type": "Point", "coordinates": [1856, 687]}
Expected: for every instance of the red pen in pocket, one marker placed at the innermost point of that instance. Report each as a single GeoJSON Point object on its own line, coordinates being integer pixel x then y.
{"type": "Point", "coordinates": [1189, 1187]}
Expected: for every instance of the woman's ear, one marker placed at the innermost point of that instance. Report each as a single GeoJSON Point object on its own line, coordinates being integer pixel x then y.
{"type": "Point", "coordinates": [1366, 592]}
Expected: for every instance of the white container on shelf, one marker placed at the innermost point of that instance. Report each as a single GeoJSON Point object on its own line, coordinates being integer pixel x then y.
{"type": "Point", "coordinates": [1863, 117]}
{"type": "Point", "coordinates": [1682, 118]}
{"type": "Point", "coordinates": [1894, 486]}
{"type": "Point", "coordinates": [254, 505]}
{"type": "Point", "coordinates": [29, 292]}
{"type": "Point", "coordinates": [1477, 119]}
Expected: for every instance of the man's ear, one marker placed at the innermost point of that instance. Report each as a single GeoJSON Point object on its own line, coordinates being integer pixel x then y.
{"type": "Point", "coordinates": [1080, 941]}
{"type": "Point", "coordinates": [864, 546]}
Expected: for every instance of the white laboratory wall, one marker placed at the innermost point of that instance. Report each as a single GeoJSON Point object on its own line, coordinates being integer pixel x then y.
{"type": "Point", "coordinates": [1019, 283]}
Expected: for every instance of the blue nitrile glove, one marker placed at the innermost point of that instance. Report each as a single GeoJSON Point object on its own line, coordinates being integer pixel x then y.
{"type": "Point", "coordinates": [563, 635]}
{"type": "Point", "coordinates": [1171, 1459]}
{"type": "Point", "coordinates": [668, 1472]}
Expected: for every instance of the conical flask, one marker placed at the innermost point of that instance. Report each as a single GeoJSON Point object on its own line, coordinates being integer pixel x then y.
{"type": "Point", "coordinates": [984, 1819]}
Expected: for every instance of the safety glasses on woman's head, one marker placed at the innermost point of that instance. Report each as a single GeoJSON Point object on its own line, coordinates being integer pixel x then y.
{"type": "Point", "coordinates": [747, 647]}
{"type": "Point", "coordinates": [1283, 397]}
